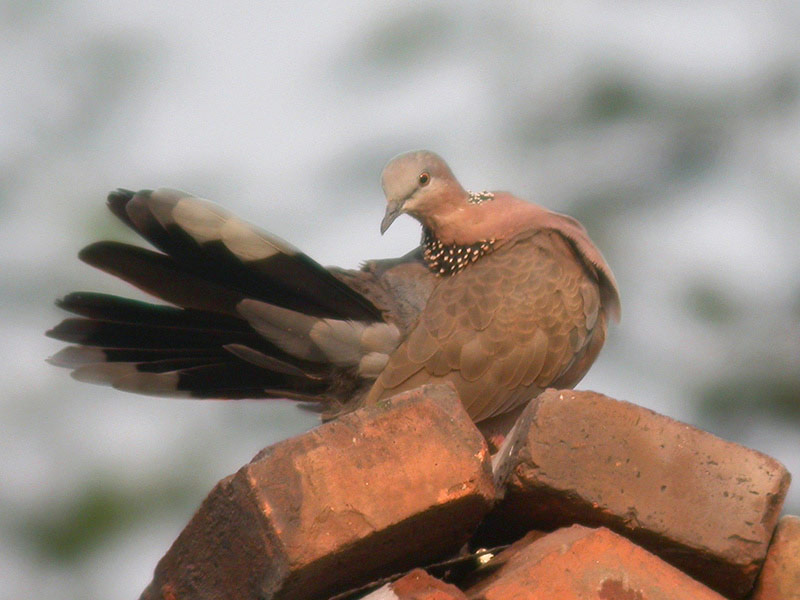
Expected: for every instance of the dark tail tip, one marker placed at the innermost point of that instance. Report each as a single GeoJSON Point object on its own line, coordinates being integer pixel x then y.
{"type": "Point", "coordinates": [117, 201]}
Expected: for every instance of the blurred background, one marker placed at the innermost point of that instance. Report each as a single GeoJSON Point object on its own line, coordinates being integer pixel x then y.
{"type": "Point", "coordinates": [671, 129]}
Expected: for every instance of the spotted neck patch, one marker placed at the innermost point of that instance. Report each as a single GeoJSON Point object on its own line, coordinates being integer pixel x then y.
{"type": "Point", "coordinates": [448, 259]}
{"type": "Point", "coordinates": [479, 197]}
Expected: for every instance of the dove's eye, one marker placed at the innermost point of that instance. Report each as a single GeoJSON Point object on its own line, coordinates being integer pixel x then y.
{"type": "Point", "coordinates": [424, 178]}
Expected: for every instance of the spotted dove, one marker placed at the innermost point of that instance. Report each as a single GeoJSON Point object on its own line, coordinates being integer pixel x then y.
{"type": "Point", "coordinates": [502, 299]}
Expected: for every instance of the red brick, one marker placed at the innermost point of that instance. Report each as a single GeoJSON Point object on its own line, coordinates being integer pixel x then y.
{"type": "Point", "coordinates": [373, 493]}
{"type": "Point", "coordinates": [417, 585]}
{"type": "Point", "coordinates": [578, 563]}
{"type": "Point", "coordinates": [706, 505]}
{"type": "Point", "coordinates": [780, 576]}
{"type": "Point", "coordinates": [213, 552]}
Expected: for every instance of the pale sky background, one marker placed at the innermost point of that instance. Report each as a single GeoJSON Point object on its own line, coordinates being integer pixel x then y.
{"type": "Point", "coordinates": [671, 129]}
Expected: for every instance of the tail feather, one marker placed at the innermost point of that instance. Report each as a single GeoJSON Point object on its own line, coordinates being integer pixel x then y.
{"type": "Point", "coordinates": [209, 267]}
{"type": "Point", "coordinates": [231, 379]}
{"type": "Point", "coordinates": [206, 373]}
{"type": "Point", "coordinates": [212, 243]}
{"type": "Point", "coordinates": [73, 357]}
{"type": "Point", "coordinates": [111, 334]}
{"type": "Point", "coordinates": [110, 372]}
{"type": "Point", "coordinates": [271, 363]}
{"type": "Point", "coordinates": [134, 209]}
{"type": "Point", "coordinates": [160, 276]}
{"type": "Point", "coordinates": [107, 307]}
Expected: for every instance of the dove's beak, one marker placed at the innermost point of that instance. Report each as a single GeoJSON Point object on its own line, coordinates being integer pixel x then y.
{"type": "Point", "coordinates": [393, 210]}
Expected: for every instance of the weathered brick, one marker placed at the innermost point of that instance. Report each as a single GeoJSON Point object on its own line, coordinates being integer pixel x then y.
{"type": "Point", "coordinates": [373, 493]}
{"type": "Point", "coordinates": [706, 505]}
{"type": "Point", "coordinates": [222, 548]}
{"type": "Point", "coordinates": [780, 576]}
{"type": "Point", "coordinates": [578, 563]}
{"type": "Point", "coordinates": [417, 585]}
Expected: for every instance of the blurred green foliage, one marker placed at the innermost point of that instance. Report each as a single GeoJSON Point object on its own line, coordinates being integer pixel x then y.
{"type": "Point", "coordinates": [738, 402]}
{"type": "Point", "coordinates": [711, 304]}
{"type": "Point", "coordinates": [70, 528]}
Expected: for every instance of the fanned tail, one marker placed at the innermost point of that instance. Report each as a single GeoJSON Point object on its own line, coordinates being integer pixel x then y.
{"type": "Point", "coordinates": [208, 265]}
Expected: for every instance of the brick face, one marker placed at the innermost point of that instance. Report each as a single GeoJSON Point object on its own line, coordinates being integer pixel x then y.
{"type": "Point", "coordinates": [704, 504]}
{"type": "Point", "coordinates": [579, 563]}
{"type": "Point", "coordinates": [222, 548]}
{"type": "Point", "coordinates": [370, 494]}
{"type": "Point", "coordinates": [780, 577]}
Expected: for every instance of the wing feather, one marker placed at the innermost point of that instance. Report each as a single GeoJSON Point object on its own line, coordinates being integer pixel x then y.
{"type": "Point", "coordinates": [502, 329]}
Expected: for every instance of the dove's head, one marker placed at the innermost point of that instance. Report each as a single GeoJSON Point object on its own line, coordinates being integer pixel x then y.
{"type": "Point", "coordinates": [420, 184]}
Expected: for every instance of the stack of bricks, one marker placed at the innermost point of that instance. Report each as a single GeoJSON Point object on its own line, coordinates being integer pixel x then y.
{"type": "Point", "coordinates": [599, 499]}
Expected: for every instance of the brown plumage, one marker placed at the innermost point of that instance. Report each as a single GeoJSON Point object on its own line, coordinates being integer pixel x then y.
{"type": "Point", "coordinates": [503, 299]}
{"type": "Point", "coordinates": [523, 298]}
